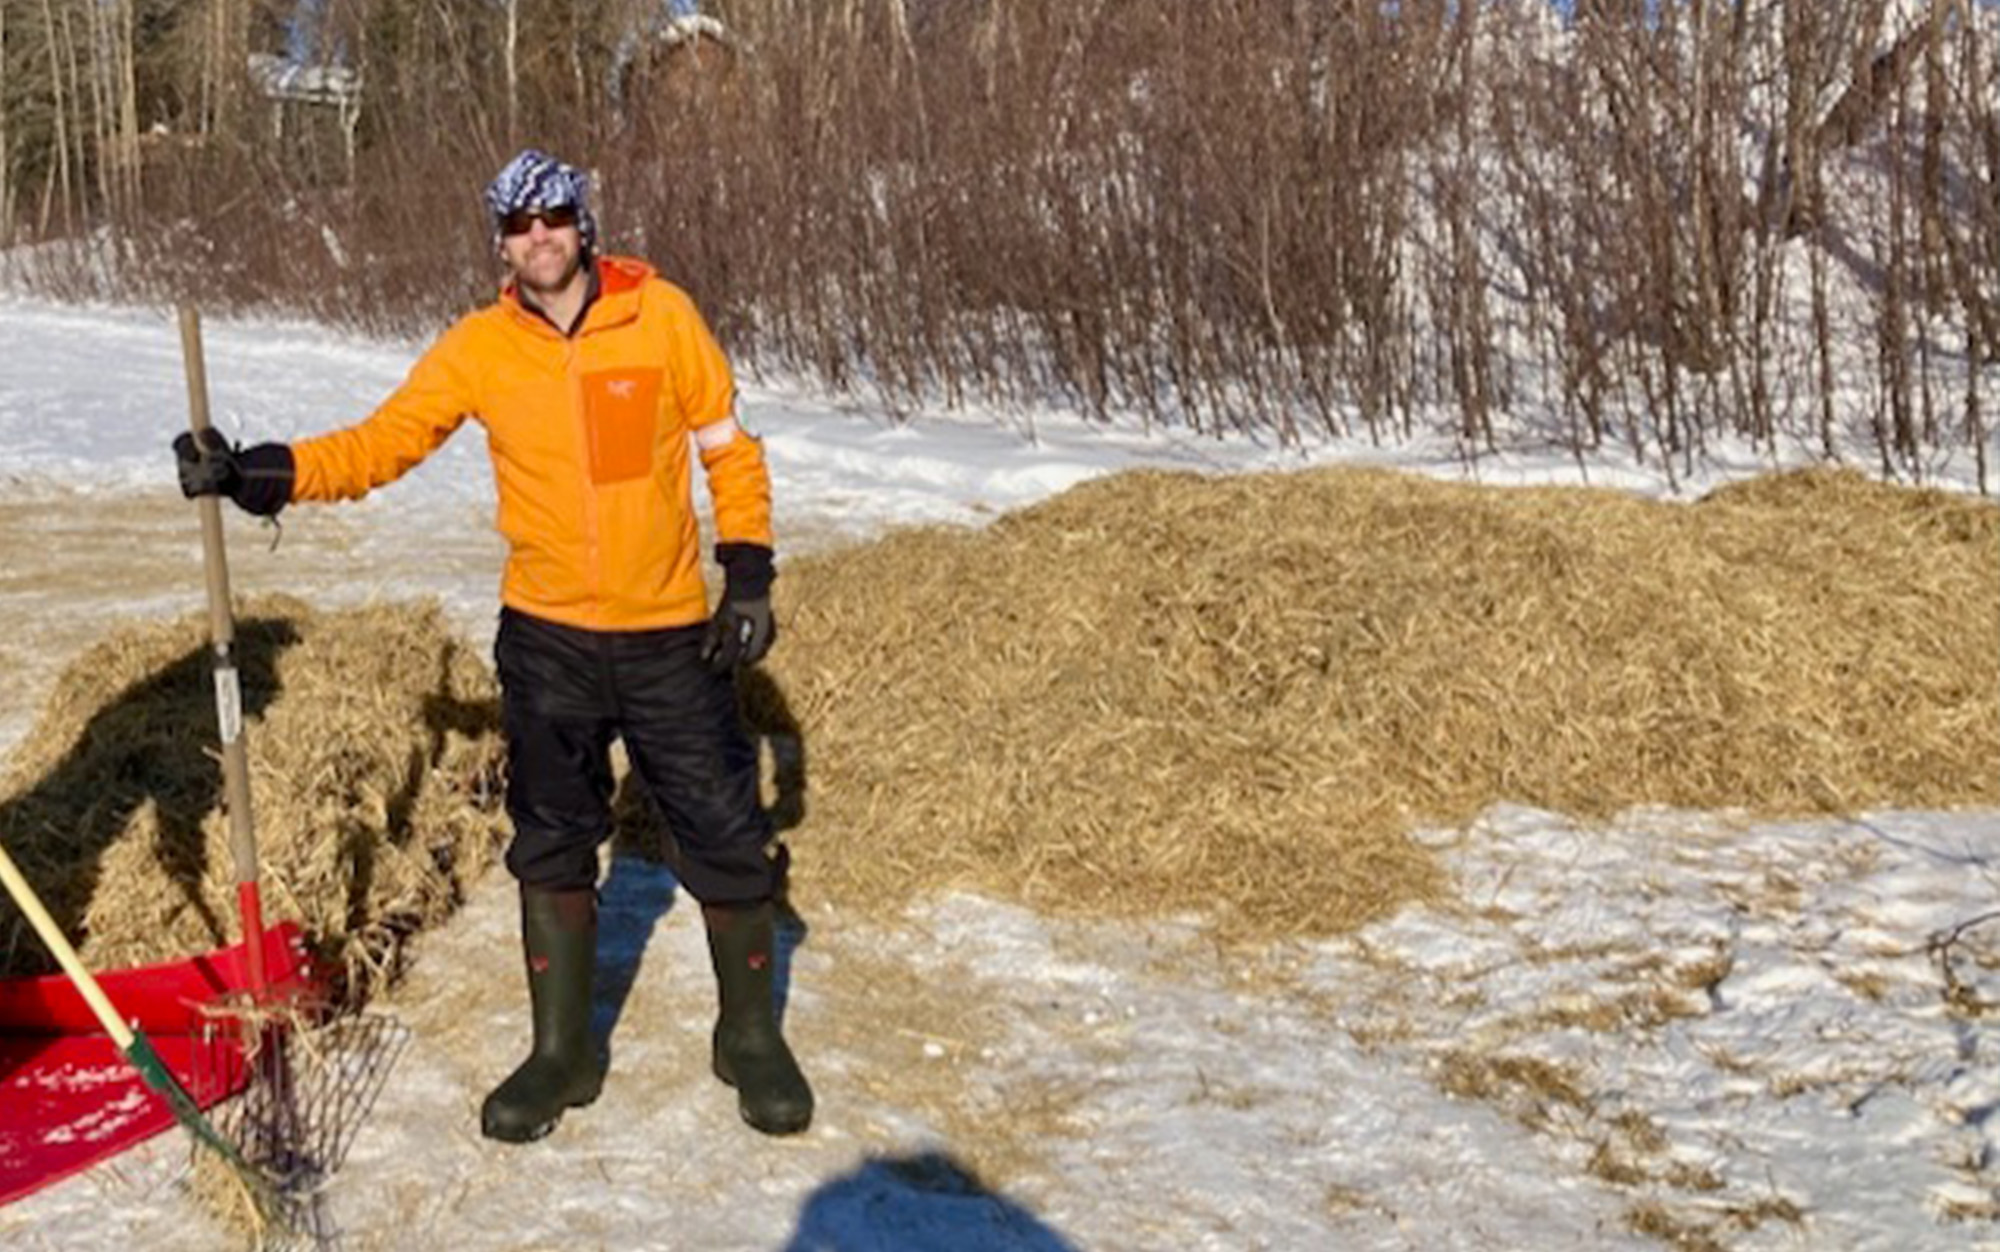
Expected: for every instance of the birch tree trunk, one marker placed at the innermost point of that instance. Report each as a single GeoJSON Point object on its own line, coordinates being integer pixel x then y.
{"type": "Point", "coordinates": [128, 104]}
{"type": "Point", "coordinates": [6, 150]}
{"type": "Point", "coordinates": [60, 173]}
{"type": "Point", "coordinates": [98, 33]}
{"type": "Point", "coordinates": [513, 71]}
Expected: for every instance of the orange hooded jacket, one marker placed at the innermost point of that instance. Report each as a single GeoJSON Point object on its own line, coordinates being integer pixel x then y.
{"type": "Point", "coordinates": [590, 443]}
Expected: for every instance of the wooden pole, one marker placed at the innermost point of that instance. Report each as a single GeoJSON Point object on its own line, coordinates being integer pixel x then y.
{"type": "Point", "coordinates": [228, 686]}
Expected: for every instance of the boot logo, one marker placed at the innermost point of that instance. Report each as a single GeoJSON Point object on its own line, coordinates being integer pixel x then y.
{"type": "Point", "coordinates": [538, 964]}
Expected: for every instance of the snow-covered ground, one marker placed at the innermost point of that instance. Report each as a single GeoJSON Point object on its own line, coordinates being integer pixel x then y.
{"type": "Point", "coordinates": [1673, 1030]}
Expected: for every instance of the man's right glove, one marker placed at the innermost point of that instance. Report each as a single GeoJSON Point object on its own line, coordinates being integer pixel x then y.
{"type": "Point", "coordinates": [257, 478]}
{"type": "Point", "coordinates": [742, 630]}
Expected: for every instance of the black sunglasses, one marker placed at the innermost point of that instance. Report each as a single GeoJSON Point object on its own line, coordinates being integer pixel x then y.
{"type": "Point", "coordinates": [521, 221]}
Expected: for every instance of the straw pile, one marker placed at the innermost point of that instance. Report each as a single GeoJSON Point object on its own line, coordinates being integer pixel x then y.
{"type": "Point", "coordinates": [1155, 694]}
{"type": "Point", "coordinates": [1162, 693]}
{"type": "Point", "coordinates": [373, 755]}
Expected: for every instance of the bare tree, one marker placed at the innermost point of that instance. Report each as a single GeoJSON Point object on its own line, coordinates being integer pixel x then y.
{"type": "Point", "coordinates": [1666, 223]}
{"type": "Point", "coordinates": [6, 149]}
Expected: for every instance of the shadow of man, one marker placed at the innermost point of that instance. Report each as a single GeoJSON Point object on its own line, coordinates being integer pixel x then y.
{"type": "Point", "coordinates": [636, 896]}
{"type": "Point", "coordinates": [643, 885]}
{"type": "Point", "coordinates": [913, 1202]}
{"type": "Point", "coordinates": [153, 744]}
{"type": "Point", "coordinates": [768, 717]}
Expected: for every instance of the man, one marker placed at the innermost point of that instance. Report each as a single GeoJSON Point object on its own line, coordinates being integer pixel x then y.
{"type": "Point", "coordinates": [592, 377]}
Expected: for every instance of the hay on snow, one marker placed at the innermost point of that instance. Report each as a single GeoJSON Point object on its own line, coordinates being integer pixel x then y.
{"type": "Point", "coordinates": [1157, 693]}
{"type": "Point", "coordinates": [373, 761]}
{"type": "Point", "coordinates": [1163, 692]}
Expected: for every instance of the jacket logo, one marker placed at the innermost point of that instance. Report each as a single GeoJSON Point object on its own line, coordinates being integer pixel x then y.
{"type": "Point", "coordinates": [621, 388]}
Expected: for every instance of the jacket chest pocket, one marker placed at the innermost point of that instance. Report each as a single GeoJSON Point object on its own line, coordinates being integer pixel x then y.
{"type": "Point", "coordinates": [621, 411]}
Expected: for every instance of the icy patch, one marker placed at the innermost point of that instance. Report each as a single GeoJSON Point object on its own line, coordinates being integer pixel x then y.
{"type": "Point", "coordinates": [1749, 1030]}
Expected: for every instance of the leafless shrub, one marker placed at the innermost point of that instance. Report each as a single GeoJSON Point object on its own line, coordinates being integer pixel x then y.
{"type": "Point", "coordinates": [1668, 226]}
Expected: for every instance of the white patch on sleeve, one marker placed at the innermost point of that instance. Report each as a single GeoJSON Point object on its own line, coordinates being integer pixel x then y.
{"type": "Point", "coordinates": [714, 435]}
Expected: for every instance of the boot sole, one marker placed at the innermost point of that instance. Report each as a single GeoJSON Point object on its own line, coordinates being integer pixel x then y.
{"type": "Point", "coordinates": [775, 1129]}
{"type": "Point", "coordinates": [509, 1135]}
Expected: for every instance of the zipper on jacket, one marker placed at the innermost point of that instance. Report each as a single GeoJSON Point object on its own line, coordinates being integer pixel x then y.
{"type": "Point", "coordinates": [591, 529]}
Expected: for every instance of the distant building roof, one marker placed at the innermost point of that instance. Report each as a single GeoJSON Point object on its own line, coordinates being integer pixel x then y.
{"type": "Point", "coordinates": [282, 79]}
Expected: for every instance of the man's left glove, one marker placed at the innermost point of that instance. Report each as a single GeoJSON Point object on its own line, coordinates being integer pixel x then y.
{"type": "Point", "coordinates": [742, 630]}
{"type": "Point", "coordinates": [257, 478]}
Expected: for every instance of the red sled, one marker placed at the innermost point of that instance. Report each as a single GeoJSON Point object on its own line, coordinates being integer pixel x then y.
{"type": "Point", "coordinates": [69, 1099]}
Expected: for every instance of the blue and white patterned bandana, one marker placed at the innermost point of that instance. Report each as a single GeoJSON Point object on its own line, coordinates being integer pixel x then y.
{"type": "Point", "coordinates": [536, 180]}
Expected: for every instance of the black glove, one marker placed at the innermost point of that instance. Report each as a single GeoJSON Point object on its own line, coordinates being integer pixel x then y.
{"type": "Point", "coordinates": [742, 630]}
{"type": "Point", "coordinates": [257, 478]}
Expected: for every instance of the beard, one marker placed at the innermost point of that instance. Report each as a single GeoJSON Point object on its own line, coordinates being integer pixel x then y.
{"type": "Point", "coordinates": [525, 276]}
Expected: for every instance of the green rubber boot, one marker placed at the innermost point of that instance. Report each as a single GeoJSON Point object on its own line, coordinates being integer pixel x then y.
{"type": "Point", "coordinates": [565, 1069]}
{"type": "Point", "coordinates": [749, 1052]}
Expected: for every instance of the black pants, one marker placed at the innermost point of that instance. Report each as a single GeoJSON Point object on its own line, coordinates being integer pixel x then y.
{"type": "Point", "coordinates": [565, 694]}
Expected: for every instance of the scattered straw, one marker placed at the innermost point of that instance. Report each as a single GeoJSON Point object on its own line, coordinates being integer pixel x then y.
{"type": "Point", "coordinates": [1165, 693]}
{"type": "Point", "coordinates": [1157, 693]}
{"type": "Point", "coordinates": [373, 756]}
